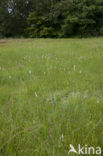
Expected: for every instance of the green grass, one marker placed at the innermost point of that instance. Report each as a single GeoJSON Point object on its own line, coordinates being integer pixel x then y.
{"type": "Point", "coordinates": [51, 95]}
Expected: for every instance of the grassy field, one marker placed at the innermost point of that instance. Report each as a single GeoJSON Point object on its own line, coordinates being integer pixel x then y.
{"type": "Point", "coordinates": [51, 95]}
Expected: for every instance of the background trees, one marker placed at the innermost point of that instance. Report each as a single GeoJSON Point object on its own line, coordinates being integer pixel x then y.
{"type": "Point", "coordinates": [51, 18]}
{"type": "Point", "coordinates": [83, 18]}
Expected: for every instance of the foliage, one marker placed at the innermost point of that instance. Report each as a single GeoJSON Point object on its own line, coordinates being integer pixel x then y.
{"type": "Point", "coordinates": [82, 19]}
{"type": "Point", "coordinates": [51, 18]}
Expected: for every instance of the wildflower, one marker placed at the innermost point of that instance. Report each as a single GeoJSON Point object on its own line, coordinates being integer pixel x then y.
{"type": "Point", "coordinates": [74, 67]}
{"type": "Point", "coordinates": [98, 101]}
{"type": "Point", "coordinates": [62, 137]}
{"type": "Point", "coordinates": [9, 76]}
{"type": "Point", "coordinates": [80, 71]}
{"type": "Point", "coordinates": [30, 72]}
{"type": "Point", "coordinates": [36, 94]}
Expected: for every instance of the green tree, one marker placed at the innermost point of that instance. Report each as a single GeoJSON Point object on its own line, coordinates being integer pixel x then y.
{"type": "Point", "coordinates": [43, 23]}
{"type": "Point", "coordinates": [51, 18]}
{"type": "Point", "coordinates": [83, 18]}
{"type": "Point", "coordinates": [3, 16]}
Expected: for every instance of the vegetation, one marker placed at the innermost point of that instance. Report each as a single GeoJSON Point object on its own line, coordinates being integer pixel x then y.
{"type": "Point", "coordinates": [50, 96]}
{"type": "Point", "coordinates": [51, 18]}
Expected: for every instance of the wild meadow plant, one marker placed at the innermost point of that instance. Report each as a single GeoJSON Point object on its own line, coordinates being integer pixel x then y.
{"type": "Point", "coordinates": [51, 96]}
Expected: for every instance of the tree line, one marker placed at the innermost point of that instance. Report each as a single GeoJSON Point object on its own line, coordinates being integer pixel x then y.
{"type": "Point", "coordinates": [51, 18]}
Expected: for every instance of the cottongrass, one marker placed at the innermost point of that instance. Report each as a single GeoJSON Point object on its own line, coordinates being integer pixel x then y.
{"type": "Point", "coordinates": [30, 72]}
{"type": "Point", "coordinates": [36, 94]}
{"type": "Point", "coordinates": [62, 137]}
{"type": "Point", "coordinates": [10, 77]}
{"type": "Point", "coordinates": [74, 67]}
{"type": "Point", "coordinates": [98, 101]}
{"type": "Point", "coordinates": [55, 110]}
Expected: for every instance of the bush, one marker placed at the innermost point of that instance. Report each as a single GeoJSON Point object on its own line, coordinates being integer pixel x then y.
{"type": "Point", "coordinates": [47, 32]}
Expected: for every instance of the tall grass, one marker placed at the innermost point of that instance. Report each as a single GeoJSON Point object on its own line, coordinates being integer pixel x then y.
{"type": "Point", "coordinates": [51, 95]}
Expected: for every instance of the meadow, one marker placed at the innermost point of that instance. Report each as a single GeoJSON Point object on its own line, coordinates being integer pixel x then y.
{"type": "Point", "coordinates": [51, 95]}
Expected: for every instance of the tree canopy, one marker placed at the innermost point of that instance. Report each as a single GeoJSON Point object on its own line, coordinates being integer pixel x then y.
{"type": "Point", "coordinates": [51, 18]}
